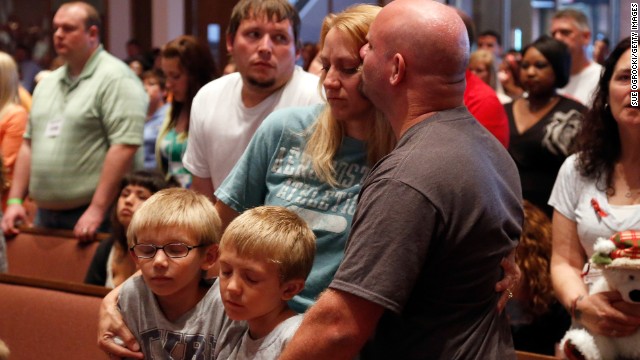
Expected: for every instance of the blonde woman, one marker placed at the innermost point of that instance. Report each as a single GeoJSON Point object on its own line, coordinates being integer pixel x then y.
{"type": "Point", "coordinates": [482, 63]}
{"type": "Point", "coordinates": [13, 118]}
{"type": "Point", "coordinates": [313, 159]}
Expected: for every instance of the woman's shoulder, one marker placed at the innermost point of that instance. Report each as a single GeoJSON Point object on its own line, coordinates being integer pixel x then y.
{"type": "Point", "coordinates": [12, 110]}
{"type": "Point", "coordinates": [569, 103]}
{"type": "Point", "coordinates": [293, 118]}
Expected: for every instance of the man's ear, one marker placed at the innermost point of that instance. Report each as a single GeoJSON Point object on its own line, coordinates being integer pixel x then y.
{"type": "Point", "coordinates": [397, 69]}
{"type": "Point", "coordinates": [291, 288]}
{"type": "Point", "coordinates": [586, 37]}
{"type": "Point", "coordinates": [210, 257]}
{"type": "Point", "coordinates": [94, 31]}
{"type": "Point", "coordinates": [298, 51]}
{"type": "Point", "coordinates": [229, 43]}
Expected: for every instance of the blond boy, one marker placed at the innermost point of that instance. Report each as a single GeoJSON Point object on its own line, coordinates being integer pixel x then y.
{"type": "Point", "coordinates": [173, 238]}
{"type": "Point", "coordinates": [265, 256]}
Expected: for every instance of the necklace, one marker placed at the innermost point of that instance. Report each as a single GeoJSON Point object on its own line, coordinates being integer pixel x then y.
{"type": "Point", "coordinates": [534, 107]}
{"type": "Point", "coordinates": [630, 193]}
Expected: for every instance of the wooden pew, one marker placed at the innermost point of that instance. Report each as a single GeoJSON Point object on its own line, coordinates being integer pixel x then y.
{"type": "Point", "coordinates": [50, 254]}
{"type": "Point", "coordinates": [44, 319]}
{"type": "Point", "coordinates": [523, 355]}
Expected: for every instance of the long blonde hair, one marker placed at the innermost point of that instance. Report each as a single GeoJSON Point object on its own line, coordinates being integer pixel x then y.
{"type": "Point", "coordinates": [9, 81]}
{"type": "Point", "coordinates": [327, 133]}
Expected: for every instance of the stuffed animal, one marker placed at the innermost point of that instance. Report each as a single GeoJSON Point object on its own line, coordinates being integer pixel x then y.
{"type": "Point", "coordinates": [619, 259]}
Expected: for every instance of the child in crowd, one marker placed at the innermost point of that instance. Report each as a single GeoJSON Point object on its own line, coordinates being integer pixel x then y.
{"type": "Point", "coordinates": [265, 256]}
{"type": "Point", "coordinates": [173, 313]}
{"type": "Point", "coordinates": [154, 85]}
{"type": "Point", "coordinates": [111, 264]}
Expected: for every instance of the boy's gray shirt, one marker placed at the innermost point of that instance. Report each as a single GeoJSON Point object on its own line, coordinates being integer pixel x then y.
{"type": "Point", "coordinates": [195, 335]}
{"type": "Point", "coordinates": [268, 347]}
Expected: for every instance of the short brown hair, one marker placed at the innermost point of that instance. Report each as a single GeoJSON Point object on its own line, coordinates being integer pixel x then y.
{"type": "Point", "coordinates": [274, 233]}
{"type": "Point", "coordinates": [93, 17]}
{"type": "Point", "coordinates": [278, 10]}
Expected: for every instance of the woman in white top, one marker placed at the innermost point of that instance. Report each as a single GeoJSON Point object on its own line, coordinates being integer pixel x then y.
{"type": "Point", "coordinates": [596, 194]}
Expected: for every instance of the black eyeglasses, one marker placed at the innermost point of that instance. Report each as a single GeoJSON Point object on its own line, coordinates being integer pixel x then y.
{"type": "Point", "coordinates": [175, 250]}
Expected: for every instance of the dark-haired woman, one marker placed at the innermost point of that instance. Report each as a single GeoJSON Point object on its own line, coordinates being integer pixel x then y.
{"type": "Point", "coordinates": [597, 193]}
{"type": "Point", "coordinates": [543, 124]}
{"type": "Point", "coordinates": [187, 65]}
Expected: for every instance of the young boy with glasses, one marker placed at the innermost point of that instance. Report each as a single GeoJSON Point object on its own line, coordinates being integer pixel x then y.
{"type": "Point", "coordinates": [173, 238]}
{"type": "Point", "coordinates": [265, 256]}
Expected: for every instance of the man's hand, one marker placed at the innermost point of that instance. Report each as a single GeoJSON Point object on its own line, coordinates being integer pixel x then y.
{"type": "Point", "coordinates": [13, 217]}
{"type": "Point", "coordinates": [88, 224]}
{"type": "Point", "coordinates": [110, 326]}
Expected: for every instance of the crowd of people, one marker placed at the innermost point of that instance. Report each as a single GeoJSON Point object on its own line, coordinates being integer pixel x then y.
{"type": "Point", "coordinates": [415, 199]}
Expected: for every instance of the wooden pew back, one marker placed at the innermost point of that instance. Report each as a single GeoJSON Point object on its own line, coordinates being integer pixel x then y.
{"type": "Point", "coordinates": [43, 319]}
{"type": "Point", "coordinates": [49, 254]}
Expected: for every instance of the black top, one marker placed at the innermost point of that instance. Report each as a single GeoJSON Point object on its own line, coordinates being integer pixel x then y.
{"type": "Point", "coordinates": [540, 150]}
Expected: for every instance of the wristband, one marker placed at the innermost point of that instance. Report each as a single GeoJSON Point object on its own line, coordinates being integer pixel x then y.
{"type": "Point", "coordinates": [575, 313]}
{"type": "Point", "coordinates": [14, 201]}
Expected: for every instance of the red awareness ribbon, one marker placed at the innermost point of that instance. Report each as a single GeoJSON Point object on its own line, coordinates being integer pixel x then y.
{"type": "Point", "coordinates": [597, 208]}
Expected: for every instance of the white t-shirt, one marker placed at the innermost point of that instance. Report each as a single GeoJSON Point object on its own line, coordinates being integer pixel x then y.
{"type": "Point", "coordinates": [221, 126]}
{"type": "Point", "coordinates": [582, 85]}
{"type": "Point", "coordinates": [576, 197]}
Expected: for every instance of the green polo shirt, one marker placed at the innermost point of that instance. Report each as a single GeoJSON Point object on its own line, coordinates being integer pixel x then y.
{"type": "Point", "coordinates": [72, 124]}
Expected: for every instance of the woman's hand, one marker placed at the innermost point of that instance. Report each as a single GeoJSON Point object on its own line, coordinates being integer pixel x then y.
{"type": "Point", "coordinates": [608, 314]}
{"type": "Point", "coordinates": [110, 326]}
{"type": "Point", "coordinates": [512, 276]}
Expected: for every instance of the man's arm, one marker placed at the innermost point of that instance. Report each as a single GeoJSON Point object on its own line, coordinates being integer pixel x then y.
{"type": "Point", "coordinates": [111, 326]}
{"type": "Point", "coordinates": [336, 327]}
{"type": "Point", "coordinates": [15, 212]}
{"type": "Point", "coordinates": [204, 186]}
{"type": "Point", "coordinates": [116, 163]}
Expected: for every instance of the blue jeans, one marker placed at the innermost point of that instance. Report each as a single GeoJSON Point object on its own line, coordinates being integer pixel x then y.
{"type": "Point", "coordinates": [65, 219]}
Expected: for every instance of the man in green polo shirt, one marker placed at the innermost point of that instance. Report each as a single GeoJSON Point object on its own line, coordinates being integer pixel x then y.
{"type": "Point", "coordinates": [84, 128]}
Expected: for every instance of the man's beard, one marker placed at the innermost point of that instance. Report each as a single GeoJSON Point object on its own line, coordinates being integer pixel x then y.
{"type": "Point", "coordinates": [266, 84]}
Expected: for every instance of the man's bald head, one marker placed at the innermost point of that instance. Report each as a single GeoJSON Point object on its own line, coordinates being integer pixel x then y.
{"type": "Point", "coordinates": [416, 58]}
{"type": "Point", "coordinates": [431, 36]}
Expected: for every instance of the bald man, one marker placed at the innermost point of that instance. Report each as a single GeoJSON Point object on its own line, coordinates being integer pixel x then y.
{"type": "Point", "coordinates": [435, 217]}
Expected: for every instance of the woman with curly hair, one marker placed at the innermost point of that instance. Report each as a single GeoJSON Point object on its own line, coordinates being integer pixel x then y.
{"type": "Point", "coordinates": [538, 320]}
{"type": "Point", "coordinates": [596, 194]}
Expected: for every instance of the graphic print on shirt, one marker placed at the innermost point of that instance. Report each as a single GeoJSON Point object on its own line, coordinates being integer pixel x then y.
{"type": "Point", "coordinates": [560, 132]}
{"type": "Point", "coordinates": [323, 207]}
{"type": "Point", "coordinates": [163, 344]}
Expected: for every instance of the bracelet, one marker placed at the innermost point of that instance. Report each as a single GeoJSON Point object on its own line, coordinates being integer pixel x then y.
{"type": "Point", "coordinates": [14, 201]}
{"type": "Point", "coordinates": [575, 313]}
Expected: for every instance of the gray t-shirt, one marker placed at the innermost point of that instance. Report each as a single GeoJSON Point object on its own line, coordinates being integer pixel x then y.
{"type": "Point", "coordinates": [435, 218]}
{"type": "Point", "coordinates": [268, 347]}
{"type": "Point", "coordinates": [193, 336]}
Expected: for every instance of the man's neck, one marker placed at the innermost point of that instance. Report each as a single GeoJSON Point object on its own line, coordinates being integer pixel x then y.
{"type": "Point", "coordinates": [77, 64]}
{"type": "Point", "coordinates": [253, 95]}
{"type": "Point", "coordinates": [579, 63]}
